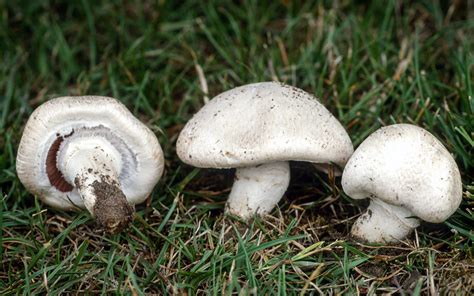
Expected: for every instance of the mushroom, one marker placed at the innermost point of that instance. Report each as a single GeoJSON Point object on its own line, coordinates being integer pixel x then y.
{"type": "Point", "coordinates": [89, 152]}
{"type": "Point", "coordinates": [408, 175]}
{"type": "Point", "coordinates": [257, 128]}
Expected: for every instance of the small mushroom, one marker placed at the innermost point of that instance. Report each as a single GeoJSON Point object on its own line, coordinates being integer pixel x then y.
{"type": "Point", "coordinates": [408, 175]}
{"type": "Point", "coordinates": [89, 152]}
{"type": "Point", "coordinates": [258, 128]}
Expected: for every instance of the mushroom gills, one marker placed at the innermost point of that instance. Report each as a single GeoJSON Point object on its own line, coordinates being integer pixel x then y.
{"type": "Point", "coordinates": [93, 165]}
{"type": "Point", "coordinates": [384, 223]}
{"type": "Point", "coordinates": [258, 189]}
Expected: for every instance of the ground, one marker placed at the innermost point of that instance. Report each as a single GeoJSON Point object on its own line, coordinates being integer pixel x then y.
{"type": "Point", "coordinates": [370, 64]}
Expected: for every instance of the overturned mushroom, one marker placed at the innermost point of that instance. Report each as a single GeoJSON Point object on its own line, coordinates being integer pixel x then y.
{"type": "Point", "coordinates": [89, 152]}
{"type": "Point", "coordinates": [408, 175]}
{"type": "Point", "coordinates": [258, 128]}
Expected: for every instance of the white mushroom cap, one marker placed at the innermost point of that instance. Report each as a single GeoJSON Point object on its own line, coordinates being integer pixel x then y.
{"type": "Point", "coordinates": [402, 166]}
{"type": "Point", "coordinates": [260, 123]}
{"type": "Point", "coordinates": [61, 127]}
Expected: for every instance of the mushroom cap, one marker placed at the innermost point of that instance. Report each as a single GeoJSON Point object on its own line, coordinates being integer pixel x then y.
{"type": "Point", "coordinates": [260, 123]}
{"type": "Point", "coordinates": [66, 118]}
{"type": "Point", "coordinates": [405, 165]}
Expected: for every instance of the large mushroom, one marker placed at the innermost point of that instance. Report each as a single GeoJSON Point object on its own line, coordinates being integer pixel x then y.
{"type": "Point", "coordinates": [408, 175]}
{"type": "Point", "coordinates": [257, 128]}
{"type": "Point", "coordinates": [89, 152]}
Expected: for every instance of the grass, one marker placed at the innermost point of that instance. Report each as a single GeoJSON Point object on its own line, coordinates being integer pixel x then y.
{"type": "Point", "coordinates": [370, 64]}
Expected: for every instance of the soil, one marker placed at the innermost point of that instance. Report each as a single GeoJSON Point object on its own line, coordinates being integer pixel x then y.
{"type": "Point", "coordinates": [217, 181]}
{"type": "Point", "coordinates": [377, 270]}
{"type": "Point", "coordinates": [111, 209]}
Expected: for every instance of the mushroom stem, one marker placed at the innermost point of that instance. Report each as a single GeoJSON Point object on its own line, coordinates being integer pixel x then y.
{"type": "Point", "coordinates": [92, 165]}
{"type": "Point", "coordinates": [384, 223]}
{"type": "Point", "coordinates": [258, 189]}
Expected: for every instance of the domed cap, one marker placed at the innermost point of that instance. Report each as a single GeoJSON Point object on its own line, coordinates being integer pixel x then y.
{"type": "Point", "coordinates": [406, 166]}
{"type": "Point", "coordinates": [136, 152]}
{"type": "Point", "coordinates": [260, 123]}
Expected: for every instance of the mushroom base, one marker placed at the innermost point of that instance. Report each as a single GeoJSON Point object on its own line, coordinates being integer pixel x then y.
{"type": "Point", "coordinates": [258, 189]}
{"type": "Point", "coordinates": [384, 223]}
{"type": "Point", "coordinates": [111, 209]}
{"type": "Point", "coordinates": [105, 201]}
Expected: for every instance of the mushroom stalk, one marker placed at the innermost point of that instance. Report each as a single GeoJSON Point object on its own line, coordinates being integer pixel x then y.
{"type": "Point", "coordinates": [258, 189]}
{"type": "Point", "coordinates": [384, 223]}
{"type": "Point", "coordinates": [93, 166]}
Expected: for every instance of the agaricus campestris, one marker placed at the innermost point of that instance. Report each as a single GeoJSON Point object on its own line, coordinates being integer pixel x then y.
{"type": "Point", "coordinates": [257, 128]}
{"type": "Point", "coordinates": [89, 152]}
{"type": "Point", "coordinates": [408, 175]}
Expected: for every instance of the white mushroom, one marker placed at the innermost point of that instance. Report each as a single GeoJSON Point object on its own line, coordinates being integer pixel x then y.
{"type": "Point", "coordinates": [89, 152]}
{"type": "Point", "coordinates": [258, 128]}
{"type": "Point", "coordinates": [408, 175]}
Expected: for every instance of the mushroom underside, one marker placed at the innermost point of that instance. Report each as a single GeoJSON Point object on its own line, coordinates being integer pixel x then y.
{"type": "Point", "coordinates": [92, 160]}
{"type": "Point", "coordinates": [89, 152]}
